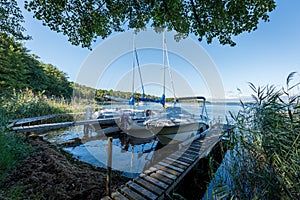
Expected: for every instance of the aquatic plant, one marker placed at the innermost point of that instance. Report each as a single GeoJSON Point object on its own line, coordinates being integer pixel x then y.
{"type": "Point", "coordinates": [264, 162]}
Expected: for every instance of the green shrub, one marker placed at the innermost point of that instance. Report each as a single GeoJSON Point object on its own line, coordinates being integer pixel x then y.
{"type": "Point", "coordinates": [13, 149]}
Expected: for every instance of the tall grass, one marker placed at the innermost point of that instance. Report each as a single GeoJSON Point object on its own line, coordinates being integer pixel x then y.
{"type": "Point", "coordinates": [264, 162]}
{"type": "Point", "coordinates": [25, 103]}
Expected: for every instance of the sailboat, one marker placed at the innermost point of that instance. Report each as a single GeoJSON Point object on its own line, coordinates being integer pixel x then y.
{"type": "Point", "coordinates": [172, 124]}
{"type": "Point", "coordinates": [176, 124]}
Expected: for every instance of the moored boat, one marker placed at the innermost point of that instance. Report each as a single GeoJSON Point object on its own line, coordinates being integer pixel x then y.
{"type": "Point", "coordinates": [177, 125]}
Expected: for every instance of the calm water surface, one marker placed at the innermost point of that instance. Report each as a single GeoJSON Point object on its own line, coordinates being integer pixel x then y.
{"type": "Point", "coordinates": [130, 155]}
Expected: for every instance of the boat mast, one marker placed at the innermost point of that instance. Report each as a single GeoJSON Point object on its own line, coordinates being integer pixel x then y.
{"type": "Point", "coordinates": [164, 64]}
{"type": "Point", "coordinates": [140, 73]}
{"type": "Point", "coordinates": [165, 55]}
{"type": "Point", "coordinates": [131, 101]}
{"type": "Point", "coordinates": [170, 73]}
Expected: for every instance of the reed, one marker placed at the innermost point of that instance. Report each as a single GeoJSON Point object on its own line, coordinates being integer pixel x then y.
{"type": "Point", "coordinates": [23, 104]}
{"type": "Point", "coordinates": [264, 162]}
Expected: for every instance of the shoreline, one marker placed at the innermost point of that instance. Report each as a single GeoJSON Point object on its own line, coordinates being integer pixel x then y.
{"type": "Point", "coordinates": [52, 173]}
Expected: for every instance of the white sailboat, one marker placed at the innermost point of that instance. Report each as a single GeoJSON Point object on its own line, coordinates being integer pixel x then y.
{"type": "Point", "coordinates": [177, 125]}
{"type": "Point", "coordinates": [173, 124]}
{"type": "Point", "coordinates": [170, 125]}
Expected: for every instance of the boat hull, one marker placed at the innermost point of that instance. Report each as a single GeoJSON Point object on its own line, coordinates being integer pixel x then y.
{"type": "Point", "coordinates": [180, 133]}
{"type": "Point", "coordinates": [139, 132]}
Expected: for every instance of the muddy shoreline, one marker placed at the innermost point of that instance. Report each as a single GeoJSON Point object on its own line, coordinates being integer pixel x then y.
{"type": "Point", "coordinates": [51, 173]}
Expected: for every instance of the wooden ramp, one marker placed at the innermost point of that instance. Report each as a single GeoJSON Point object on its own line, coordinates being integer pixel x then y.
{"type": "Point", "coordinates": [160, 179]}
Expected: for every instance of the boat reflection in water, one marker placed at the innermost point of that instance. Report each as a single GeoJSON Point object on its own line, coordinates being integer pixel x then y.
{"type": "Point", "coordinates": [129, 154]}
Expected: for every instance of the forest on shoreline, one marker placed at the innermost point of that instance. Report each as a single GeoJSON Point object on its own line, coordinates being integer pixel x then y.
{"type": "Point", "coordinates": [20, 71]}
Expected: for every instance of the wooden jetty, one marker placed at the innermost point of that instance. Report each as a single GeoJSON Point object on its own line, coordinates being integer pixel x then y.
{"type": "Point", "coordinates": [51, 126]}
{"type": "Point", "coordinates": [161, 178]}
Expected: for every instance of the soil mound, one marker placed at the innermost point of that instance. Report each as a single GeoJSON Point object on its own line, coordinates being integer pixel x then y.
{"type": "Point", "coordinates": [53, 174]}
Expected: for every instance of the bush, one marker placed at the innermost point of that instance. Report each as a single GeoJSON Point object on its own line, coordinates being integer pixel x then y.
{"type": "Point", "coordinates": [13, 150]}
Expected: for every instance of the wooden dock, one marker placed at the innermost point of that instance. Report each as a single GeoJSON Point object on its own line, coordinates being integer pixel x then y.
{"type": "Point", "coordinates": [51, 126]}
{"type": "Point", "coordinates": [161, 178]}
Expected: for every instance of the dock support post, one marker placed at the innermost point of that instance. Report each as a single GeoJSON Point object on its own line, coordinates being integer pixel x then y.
{"type": "Point", "coordinates": [87, 117]}
{"type": "Point", "coordinates": [88, 113]}
{"type": "Point", "coordinates": [109, 166]}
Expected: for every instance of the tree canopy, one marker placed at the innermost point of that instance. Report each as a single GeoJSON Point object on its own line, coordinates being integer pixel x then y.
{"type": "Point", "coordinates": [11, 18]}
{"type": "Point", "coordinates": [85, 20]}
{"type": "Point", "coordinates": [20, 70]}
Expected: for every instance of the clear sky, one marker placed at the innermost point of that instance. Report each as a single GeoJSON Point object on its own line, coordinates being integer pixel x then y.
{"type": "Point", "coordinates": [265, 56]}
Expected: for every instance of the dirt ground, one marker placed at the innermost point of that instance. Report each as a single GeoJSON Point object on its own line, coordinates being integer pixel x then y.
{"type": "Point", "coordinates": [50, 173]}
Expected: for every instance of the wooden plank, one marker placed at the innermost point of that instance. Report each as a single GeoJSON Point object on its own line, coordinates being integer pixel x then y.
{"type": "Point", "coordinates": [162, 178]}
{"type": "Point", "coordinates": [197, 144]}
{"type": "Point", "coordinates": [171, 166]}
{"type": "Point", "coordinates": [118, 196]}
{"type": "Point", "coordinates": [105, 121]}
{"type": "Point", "coordinates": [193, 153]}
{"type": "Point", "coordinates": [168, 170]}
{"type": "Point", "coordinates": [184, 159]}
{"type": "Point", "coordinates": [186, 156]}
{"type": "Point", "coordinates": [159, 176]}
{"type": "Point", "coordinates": [195, 148]}
{"type": "Point", "coordinates": [42, 127]}
{"type": "Point", "coordinates": [51, 126]}
{"type": "Point", "coordinates": [190, 154]}
{"type": "Point", "coordinates": [177, 161]}
{"type": "Point", "coordinates": [179, 157]}
{"type": "Point", "coordinates": [131, 194]}
{"type": "Point", "coordinates": [141, 190]}
{"type": "Point", "coordinates": [170, 176]}
{"type": "Point", "coordinates": [149, 185]}
{"type": "Point", "coordinates": [154, 181]}
{"type": "Point", "coordinates": [32, 119]}
{"type": "Point", "coordinates": [173, 163]}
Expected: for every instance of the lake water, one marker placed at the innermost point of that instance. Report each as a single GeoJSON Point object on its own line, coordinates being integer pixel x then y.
{"type": "Point", "coordinates": [130, 155]}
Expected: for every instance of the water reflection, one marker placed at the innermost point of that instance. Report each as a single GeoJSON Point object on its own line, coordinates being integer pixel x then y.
{"type": "Point", "coordinates": [130, 154]}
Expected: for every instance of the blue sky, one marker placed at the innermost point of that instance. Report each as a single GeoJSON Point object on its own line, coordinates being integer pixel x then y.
{"type": "Point", "coordinates": [265, 56]}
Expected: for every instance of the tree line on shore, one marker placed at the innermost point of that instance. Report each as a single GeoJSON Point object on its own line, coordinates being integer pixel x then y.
{"type": "Point", "coordinates": [20, 71]}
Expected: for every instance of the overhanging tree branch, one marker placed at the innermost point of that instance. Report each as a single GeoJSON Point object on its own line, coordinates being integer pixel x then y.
{"type": "Point", "coordinates": [216, 19]}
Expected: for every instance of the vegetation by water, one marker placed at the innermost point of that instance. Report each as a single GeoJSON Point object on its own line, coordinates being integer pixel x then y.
{"type": "Point", "coordinates": [264, 160]}
{"type": "Point", "coordinates": [13, 149]}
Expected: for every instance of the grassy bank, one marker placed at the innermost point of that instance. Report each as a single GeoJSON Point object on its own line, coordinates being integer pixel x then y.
{"type": "Point", "coordinates": [265, 160]}
{"type": "Point", "coordinates": [13, 149]}
{"type": "Point", "coordinates": [23, 104]}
